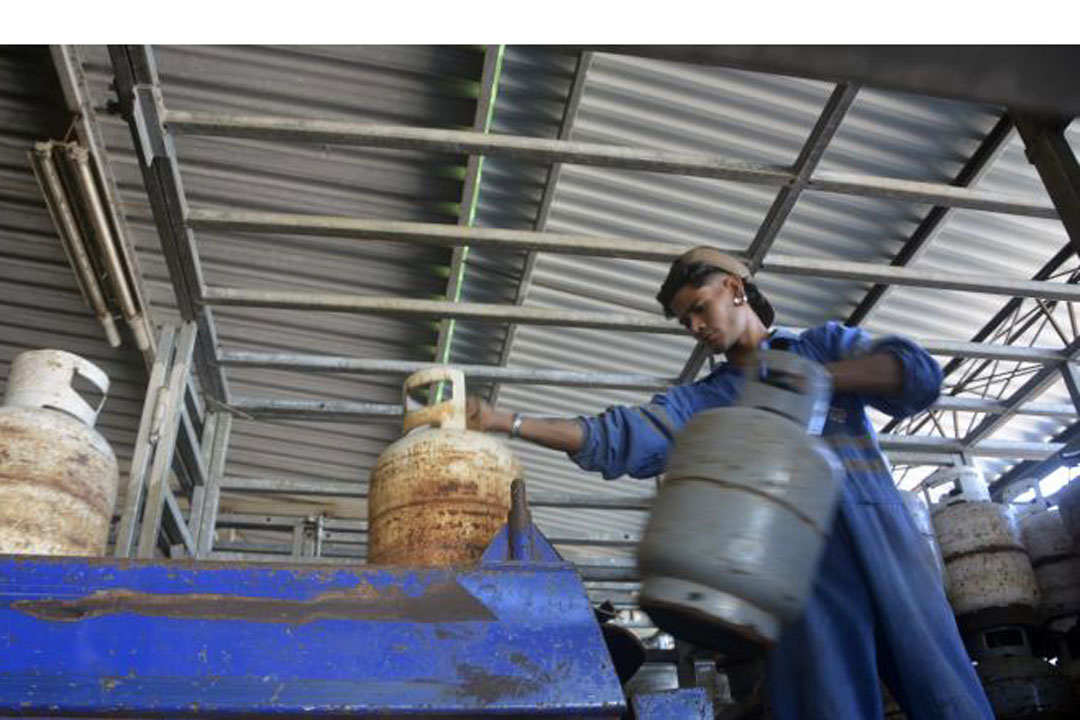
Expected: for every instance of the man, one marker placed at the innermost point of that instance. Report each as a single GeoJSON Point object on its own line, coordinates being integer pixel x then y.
{"type": "Point", "coordinates": [875, 608]}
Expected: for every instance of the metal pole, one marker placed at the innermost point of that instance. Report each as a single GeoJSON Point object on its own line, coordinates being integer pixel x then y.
{"type": "Point", "coordinates": [79, 157]}
{"type": "Point", "coordinates": [480, 373]}
{"type": "Point", "coordinates": [596, 154]}
{"type": "Point", "coordinates": [330, 363]}
{"type": "Point", "coordinates": [407, 307]}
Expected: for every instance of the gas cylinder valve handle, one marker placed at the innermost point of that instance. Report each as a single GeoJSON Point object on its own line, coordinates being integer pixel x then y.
{"type": "Point", "coordinates": [448, 414]}
{"type": "Point", "coordinates": [789, 385]}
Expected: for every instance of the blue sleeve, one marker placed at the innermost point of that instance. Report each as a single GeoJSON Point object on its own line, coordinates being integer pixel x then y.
{"type": "Point", "coordinates": [635, 440]}
{"type": "Point", "coordinates": [922, 374]}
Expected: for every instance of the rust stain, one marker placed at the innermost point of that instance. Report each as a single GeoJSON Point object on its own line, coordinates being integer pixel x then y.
{"type": "Point", "coordinates": [440, 602]}
{"type": "Point", "coordinates": [479, 683]}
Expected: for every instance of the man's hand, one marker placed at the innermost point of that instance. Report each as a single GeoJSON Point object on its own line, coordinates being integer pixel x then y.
{"type": "Point", "coordinates": [482, 416]}
{"type": "Point", "coordinates": [555, 433]}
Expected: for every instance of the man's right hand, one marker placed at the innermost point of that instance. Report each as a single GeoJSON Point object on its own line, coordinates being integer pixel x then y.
{"type": "Point", "coordinates": [482, 416]}
{"type": "Point", "coordinates": [555, 433]}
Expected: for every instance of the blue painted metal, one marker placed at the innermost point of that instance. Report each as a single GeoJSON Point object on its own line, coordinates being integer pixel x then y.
{"type": "Point", "coordinates": [683, 704]}
{"type": "Point", "coordinates": [93, 637]}
{"type": "Point", "coordinates": [529, 544]}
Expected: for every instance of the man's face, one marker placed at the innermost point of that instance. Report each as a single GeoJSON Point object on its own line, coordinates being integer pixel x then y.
{"type": "Point", "coordinates": [709, 312]}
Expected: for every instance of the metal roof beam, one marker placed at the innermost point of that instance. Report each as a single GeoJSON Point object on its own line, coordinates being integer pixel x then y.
{"type": "Point", "coordinates": [573, 378]}
{"type": "Point", "coordinates": [426, 309]}
{"type": "Point", "coordinates": [1032, 388]}
{"type": "Point", "coordinates": [596, 154]}
{"type": "Point", "coordinates": [974, 169]}
{"type": "Point", "coordinates": [483, 373]}
{"type": "Point", "coordinates": [990, 351]}
{"type": "Point", "coordinates": [260, 407]}
{"type": "Point", "coordinates": [332, 409]}
{"type": "Point", "coordinates": [452, 235]}
{"type": "Point", "coordinates": [139, 94]}
{"type": "Point", "coordinates": [783, 264]}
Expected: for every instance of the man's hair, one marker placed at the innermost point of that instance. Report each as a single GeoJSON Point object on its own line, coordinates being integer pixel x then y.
{"type": "Point", "coordinates": [699, 273]}
{"type": "Point", "coordinates": [695, 273]}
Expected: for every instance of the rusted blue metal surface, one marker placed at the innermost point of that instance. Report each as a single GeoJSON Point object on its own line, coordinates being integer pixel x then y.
{"type": "Point", "coordinates": [684, 704]}
{"type": "Point", "coordinates": [100, 637]}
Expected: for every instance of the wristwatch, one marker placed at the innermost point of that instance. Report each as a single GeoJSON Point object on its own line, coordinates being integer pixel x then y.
{"type": "Point", "coordinates": [515, 425]}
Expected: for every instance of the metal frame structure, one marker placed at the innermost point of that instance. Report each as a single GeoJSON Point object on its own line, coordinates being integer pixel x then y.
{"type": "Point", "coordinates": [153, 126]}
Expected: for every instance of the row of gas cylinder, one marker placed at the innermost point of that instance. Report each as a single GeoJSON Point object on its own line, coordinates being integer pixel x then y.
{"type": "Point", "coordinates": [1012, 576]}
{"type": "Point", "coordinates": [436, 498]}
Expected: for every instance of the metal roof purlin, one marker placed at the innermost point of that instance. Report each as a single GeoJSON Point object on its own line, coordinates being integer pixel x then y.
{"type": "Point", "coordinates": [566, 125]}
{"type": "Point", "coordinates": [288, 129]}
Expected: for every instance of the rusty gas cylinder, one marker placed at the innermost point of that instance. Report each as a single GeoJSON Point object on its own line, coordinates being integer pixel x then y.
{"type": "Point", "coordinates": [986, 566]}
{"type": "Point", "coordinates": [439, 494]}
{"type": "Point", "coordinates": [1056, 564]}
{"type": "Point", "coordinates": [58, 476]}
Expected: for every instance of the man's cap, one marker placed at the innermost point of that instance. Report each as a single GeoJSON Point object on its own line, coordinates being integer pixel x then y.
{"type": "Point", "coordinates": [711, 257]}
{"type": "Point", "coordinates": [714, 258]}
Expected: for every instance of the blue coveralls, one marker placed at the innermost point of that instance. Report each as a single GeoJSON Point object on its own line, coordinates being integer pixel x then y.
{"type": "Point", "coordinates": [876, 607]}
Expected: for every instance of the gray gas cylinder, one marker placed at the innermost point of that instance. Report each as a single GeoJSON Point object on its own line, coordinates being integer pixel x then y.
{"type": "Point", "coordinates": [986, 566]}
{"type": "Point", "coordinates": [58, 476]}
{"type": "Point", "coordinates": [1057, 566]}
{"type": "Point", "coordinates": [739, 523]}
{"type": "Point", "coordinates": [1025, 687]}
{"type": "Point", "coordinates": [1069, 505]}
{"type": "Point", "coordinates": [920, 514]}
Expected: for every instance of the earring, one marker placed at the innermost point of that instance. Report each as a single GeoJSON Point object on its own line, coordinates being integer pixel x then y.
{"type": "Point", "coordinates": [740, 299]}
